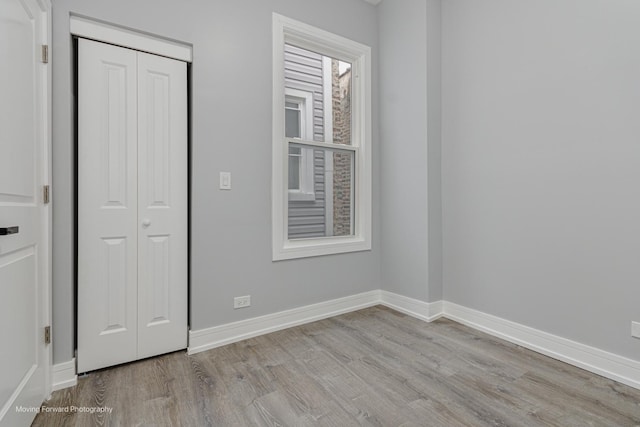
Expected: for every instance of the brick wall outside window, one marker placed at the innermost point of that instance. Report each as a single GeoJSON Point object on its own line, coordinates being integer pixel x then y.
{"type": "Point", "coordinates": [342, 170]}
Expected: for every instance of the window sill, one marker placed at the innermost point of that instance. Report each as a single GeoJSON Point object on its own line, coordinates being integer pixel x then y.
{"type": "Point", "coordinates": [319, 246]}
{"type": "Point", "coordinates": [301, 196]}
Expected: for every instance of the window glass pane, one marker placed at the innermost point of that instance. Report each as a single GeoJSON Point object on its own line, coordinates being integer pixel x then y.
{"type": "Point", "coordinates": [341, 101]}
{"type": "Point", "coordinates": [328, 81]}
{"type": "Point", "coordinates": [294, 171]}
{"type": "Point", "coordinates": [330, 210]}
{"type": "Point", "coordinates": [292, 123]}
{"type": "Point", "coordinates": [342, 193]}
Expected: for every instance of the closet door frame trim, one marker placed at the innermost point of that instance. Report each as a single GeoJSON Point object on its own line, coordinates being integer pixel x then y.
{"type": "Point", "coordinates": [88, 28]}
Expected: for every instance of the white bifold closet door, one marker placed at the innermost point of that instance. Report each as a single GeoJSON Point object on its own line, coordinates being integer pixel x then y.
{"type": "Point", "coordinates": [132, 205]}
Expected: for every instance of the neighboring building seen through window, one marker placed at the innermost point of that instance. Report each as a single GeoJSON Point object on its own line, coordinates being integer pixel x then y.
{"type": "Point", "coordinates": [326, 207]}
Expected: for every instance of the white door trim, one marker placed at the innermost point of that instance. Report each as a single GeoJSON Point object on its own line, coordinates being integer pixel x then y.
{"type": "Point", "coordinates": [101, 31]}
{"type": "Point", "coordinates": [46, 268]}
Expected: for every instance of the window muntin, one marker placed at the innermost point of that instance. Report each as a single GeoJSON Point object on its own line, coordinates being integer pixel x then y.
{"type": "Point", "coordinates": [338, 218]}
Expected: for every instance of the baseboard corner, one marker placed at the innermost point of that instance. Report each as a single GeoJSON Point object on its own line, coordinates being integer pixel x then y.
{"type": "Point", "coordinates": [427, 311]}
{"type": "Point", "coordinates": [64, 375]}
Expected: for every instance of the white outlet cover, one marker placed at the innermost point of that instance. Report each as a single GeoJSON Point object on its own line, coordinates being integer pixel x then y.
{"type": "Point", "coordinates": [242, 302]}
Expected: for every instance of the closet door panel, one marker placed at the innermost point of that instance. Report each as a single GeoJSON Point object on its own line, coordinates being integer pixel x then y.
{"type": "Point", "coordinates": [107, 205]}
{"type": "Point", "coordinates": [162, 205]}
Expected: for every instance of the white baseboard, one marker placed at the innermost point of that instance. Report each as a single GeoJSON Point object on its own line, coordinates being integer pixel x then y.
{"type": "Point", "coordinates": [427, 311]}
{"type": "Point", "coordinates": [64, 375]}
{"type": "Point", "coordinates": [217, 336]}
{"type": "Point", "coordinates": [609, 365]}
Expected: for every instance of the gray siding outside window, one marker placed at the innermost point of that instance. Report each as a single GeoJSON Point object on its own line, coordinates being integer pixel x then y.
{"type": "Point", "coordinates": [303, 71]}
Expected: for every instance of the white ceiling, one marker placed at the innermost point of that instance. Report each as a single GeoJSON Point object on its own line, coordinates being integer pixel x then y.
{"type": "Point", "coordinates": [374, 2]}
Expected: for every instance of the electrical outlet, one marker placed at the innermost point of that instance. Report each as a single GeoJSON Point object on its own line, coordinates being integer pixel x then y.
{"type": "Point", "coordinates": [242, 302]}
{"type": "Point", "coordinates": [635, 329]}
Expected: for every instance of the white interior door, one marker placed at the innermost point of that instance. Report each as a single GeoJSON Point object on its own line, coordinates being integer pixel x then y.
{"type": "Point", "coordinates": [107, 205]}
{"type": "Point", "coordinates": [132, 205]}
{"type": "Point", "coordinates": [24, 253]}
{"type": "Point", "coordinates": [162, 205]}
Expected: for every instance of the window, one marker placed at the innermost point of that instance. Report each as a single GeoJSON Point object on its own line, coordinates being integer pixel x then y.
{"type": "Point", "coordinates": [321, 194]}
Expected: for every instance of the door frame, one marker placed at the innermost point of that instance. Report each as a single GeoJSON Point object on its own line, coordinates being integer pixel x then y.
{"type": "Point", "coordinates": [46, 264]}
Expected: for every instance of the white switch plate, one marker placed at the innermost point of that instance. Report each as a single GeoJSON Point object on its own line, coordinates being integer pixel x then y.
{"type": "Point", "coordinates": [242, 302]}
{"type": "Point", "coordinates": [635, 329]}
{"type": "Point", "coordinates": [225, 180]}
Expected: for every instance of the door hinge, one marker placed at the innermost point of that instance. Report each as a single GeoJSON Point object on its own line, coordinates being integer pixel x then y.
{"type": "Point", "coordinates": [45, 54]}
{"type": "Point", "coordinates": [45, 194]}
{"type": "Point", "coordinates": [47, 334]}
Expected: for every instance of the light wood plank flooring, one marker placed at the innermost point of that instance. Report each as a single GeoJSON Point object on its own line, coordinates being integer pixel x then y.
{"type": "Point", "coordinates": [374, 367]}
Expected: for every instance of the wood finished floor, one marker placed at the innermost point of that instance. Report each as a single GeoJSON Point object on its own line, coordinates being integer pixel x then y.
{"type": "Point", "coordinates": [373, 367]}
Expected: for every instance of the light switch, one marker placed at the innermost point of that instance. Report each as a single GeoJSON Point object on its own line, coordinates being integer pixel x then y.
{"type": "Point", "coordinates": [225, 180]}
{"type": "Point", "coordinates": [635, 329]}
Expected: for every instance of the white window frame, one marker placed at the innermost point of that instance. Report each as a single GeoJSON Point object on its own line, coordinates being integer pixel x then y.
{"type": "Point", "coordinates": [304, 99]}
{"type": "Point", "coordinates": [286, 30]}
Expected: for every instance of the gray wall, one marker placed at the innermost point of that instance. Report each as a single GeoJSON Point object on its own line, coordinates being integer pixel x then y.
{"type": "Point", "coordinates": [231, 131]}
{"type": "Point", "coordinates": [410, 147]}
{"type": "Point", "coordinates": [541, 164]}
{"type": "Point", "coordinates": [434, 147]}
